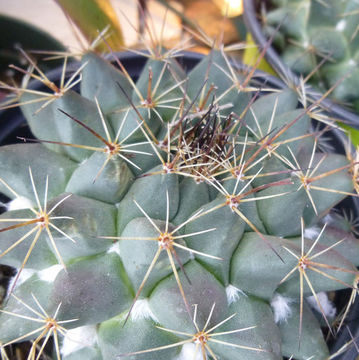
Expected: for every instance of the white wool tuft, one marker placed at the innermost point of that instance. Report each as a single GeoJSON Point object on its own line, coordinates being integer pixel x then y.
{"type": "Point", "coordinates": [233, 293]}
{"type": "Point", "coordinates": [188, 351]}
{"type": "Point", "coordinates": [352, 62]}
{"type": "Point", "coordinates": [19, 203]}
{"type": "Point", "coordinates": [83, 161]}
{"type": "Point", "coordinates": [341, 25]}
{"type": "Point", "coordinates": [329, 219]}
{"type": "Point", "coordinates": [327, 306]}
{"type": "Point", "coordinates": [76, 339]}
{"type": "Point", "coordinates": [50, 273]}
{"type": "Point", "coordinates": [142, 310]}
{"type": "Point", "coordinates": [25, 274]}
{"type": "Point", "coordinates": [281, 307]}
{"type": "Point", "coordinates": [115, 248]}
{"type": "Point", "coordinates": [311, 233]}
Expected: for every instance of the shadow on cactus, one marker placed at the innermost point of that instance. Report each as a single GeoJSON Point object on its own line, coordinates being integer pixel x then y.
{"type": "Point", "coordinates": [193, 199]}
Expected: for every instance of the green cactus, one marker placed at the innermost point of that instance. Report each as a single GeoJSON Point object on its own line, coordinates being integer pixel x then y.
{"type": "Point", "coordinates": [320, 40]}
{"type": "Point", "coordinates": [181, 216]}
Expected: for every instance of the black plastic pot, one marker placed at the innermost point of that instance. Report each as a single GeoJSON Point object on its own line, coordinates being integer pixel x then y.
{"type": "Point", "coordinates": [255, 28]}
{"type": "Point", "coordinates": [13, 124]}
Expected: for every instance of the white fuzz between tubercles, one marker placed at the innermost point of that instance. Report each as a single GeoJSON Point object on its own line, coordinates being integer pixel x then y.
{"type": "Point", "coordinates": [233, 294]}
{"type": "Point", "coordinates": [311, 233]}
{"type": "Point", "coordinates": [25, 274]}
{"type": "Point", "coordinates": [141, 310]}
{"type": "Point", "coordinates": [19, 204]}
{"type": "Point", "coordinates": [50, 273]}
{"type": "Point", "coordinates": [327, 306]}
{"type": "Point", "coordinates": [83, 161]}
{"type": "Point", "coordinates": [281, 308]}
{"type": "Point", "coordinates": [329, 219]}
{"type": "Point", "coordinates": [47, 275]}
{"type": "Point", "coordinates": [76, 339]}
{"type": "Point", "coordinates": [115, 248]}
{"type": "Point", "coordinates": [188, 351]}
{"type": "Point", "coordinates": [341, 25]}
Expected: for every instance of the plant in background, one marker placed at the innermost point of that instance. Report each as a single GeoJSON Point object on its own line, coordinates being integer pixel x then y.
{"type": "Point", "coordinates": [319, 39]}
{"type": "Point", "coordinates": [179, 216]}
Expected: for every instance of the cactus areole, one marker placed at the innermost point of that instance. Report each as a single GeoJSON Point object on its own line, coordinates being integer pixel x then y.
{"type": "Point", "coordinates": [186, 213]}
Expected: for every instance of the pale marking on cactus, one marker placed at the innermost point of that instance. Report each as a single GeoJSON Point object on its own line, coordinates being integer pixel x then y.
{"type": "Point", "coordinates": [281, 307]}
{"type": "Point", "coordinates": [233, 294]}
{"type": "Point", "coordinates": [312, 232]}
{"type": "Point", "coordinates": [327, 306]}
{"type": "Point", "coordinates": [19, 203]}
{"type": "Point", "coordinates": [43, 97]}
{"type": "Point", "coordinates": [49, 274]}
{"type": "Point", "coordinates": [25, 275]}
{"type": "Point", "coordinates": [202, 338]}
{"type": "Point", "coordinates": [141, 310]}
{"type": "Point", "coordinates": [166, 241]}
{"type": "Point", "coordinates": [79, 338]}
{"type": "Point", "coordinates": [341, 25]}
{"type": "Point", "coordinates": [114, 248]}
{"type": "Point", "coordinates": [328, 219]}
{"type": "Point", "coordinates": [352, 62]}
{"type": "Point", "coordinates": [189, 351]}
{"type": "Point", "coordinates": [305, 263]}
{"type": "Point", "coordinates": [50, 327]}
{"type": "Point", "coordinates": [43, 221]}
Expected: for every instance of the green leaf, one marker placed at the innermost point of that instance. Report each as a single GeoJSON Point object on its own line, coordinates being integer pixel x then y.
{"type": "Point", "coordinates": [92, 16]}
{"type": "Point", "coordinates": [251, 55]}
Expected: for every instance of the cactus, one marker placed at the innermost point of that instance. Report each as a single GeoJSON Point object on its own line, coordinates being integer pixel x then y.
{"type": "Point", "coordinates": [179, 216]}
{"type": "Point", "coordinates": [319, 39]}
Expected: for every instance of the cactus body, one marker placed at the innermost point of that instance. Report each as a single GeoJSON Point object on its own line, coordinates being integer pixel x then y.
{"type": "Point", "coordinates": [176, 217]}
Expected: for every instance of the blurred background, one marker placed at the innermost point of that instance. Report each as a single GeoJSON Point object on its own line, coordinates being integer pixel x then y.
{"type": "Point", "coordinates": [72, 26]}
{"type": "Point", "coordinates": [48, 16]}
